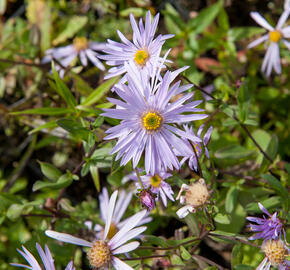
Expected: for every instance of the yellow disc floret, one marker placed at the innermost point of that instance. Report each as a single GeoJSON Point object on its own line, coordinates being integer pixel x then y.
{"type": "Point", "coordinates": [275, 251]}
{"type": "Point", "coordinates": [80, 43]}
{"type": "Point", "coordinates": [275, 36]}
{"type": "Point", "coordinates": [99, 254]}
{"type": "Point", "coordinates": [151, 120]}
{"type": "Point", "coordinates": [141, 57]}
{"type": "Point", "coordinates": [197, 194]}
{"type": "Point", "coordinates": [112, 231]}
{"type": "Point", "coordinates": [155, 181]}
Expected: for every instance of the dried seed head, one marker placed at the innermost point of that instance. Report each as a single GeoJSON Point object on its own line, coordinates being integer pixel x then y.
{"type": "Point", "coordinates": [197, 194]}
{"type": "Point", "coordinates": [275, 251]}
{"type": "Point", "coordinates": [99, 254]}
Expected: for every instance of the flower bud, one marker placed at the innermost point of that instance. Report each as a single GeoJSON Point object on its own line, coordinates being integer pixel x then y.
{"type": "Point", "coordinates": [147, 199]}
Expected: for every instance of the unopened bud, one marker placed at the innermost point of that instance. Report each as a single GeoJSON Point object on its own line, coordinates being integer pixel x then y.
{"type": "Point", "coordinates": [147, 199]}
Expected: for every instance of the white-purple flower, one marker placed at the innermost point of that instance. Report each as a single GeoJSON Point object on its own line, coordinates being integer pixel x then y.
{"type": "Point", "coordinates": [86, 50]}
{"type": "Point", "coordinates": [157, 185]}
{"type": "Point", "coordinates": [102, 252]}
{"type": "Point", "coordinates": [269, 227]}
{"type": "Point", "coordinates": [192, 161]}
{"type": "Point", "coordinates": [274, 36]}
{"type": "Point", "coordinates": [117, 223]}
{"type": "Point", "coordinates": [276, 253]}
{"type": "Point", "coordinates": [143, 51]}
{"type": "Point", "coordinates": [45, 256]}
{"type": "Point", "coordinates": [149, 120]}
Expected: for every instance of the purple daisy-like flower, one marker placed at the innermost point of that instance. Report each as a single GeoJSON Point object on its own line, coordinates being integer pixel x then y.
{"type": "Point", "coordinates": [86, 50]}
{"type": "Point", "coordinates": [45, 256]}
{"type": "Point", "coordinates": [149, 120]}
{"type": "Point", "coordinates": [274, 36]}
{"type": "Point", "coordinates": [192, 162]}
{"type": "Point", "coordinates": [143, 51]}
{"type": "Point", "coordinates": [268, 228]}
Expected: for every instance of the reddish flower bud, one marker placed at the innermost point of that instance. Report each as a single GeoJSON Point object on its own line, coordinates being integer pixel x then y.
{"type": "Point", "coordinates": [147, 199]}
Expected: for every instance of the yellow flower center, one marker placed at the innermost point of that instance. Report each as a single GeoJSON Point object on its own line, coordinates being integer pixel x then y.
{"type": "Point", "coordinates": [155, 181]}
{"type": "Point", "coordinates": [197, 194]}
{"type": "Point", "coordinates": [152, 120]}
{"type": "Point", "coordinates": [275, 36]}
{"type": "Point", "coordinates": [275, 251]}
{"type": "Point", "coordinates": [99, 254]}
{"type": "Point", "coordinates": [141, 57]}
{"type": "Point", "coordinates": [80, 43]}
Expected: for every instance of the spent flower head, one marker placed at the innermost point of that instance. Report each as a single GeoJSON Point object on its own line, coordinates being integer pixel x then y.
{"type": "Point", "coordinates": [270, 227]}
{"type": "Point", "coordinates": [102, 252]}
{"type": "Point", "coordinates": [276, 253]}
{"type": "Point", "coordinates": [143, 51]}
{"type": "Point", "coordinates": [274, 36]}
{"type": "Point", "coordinates": [80, 47]}
{"type": "Point", "coordinates": [45, 256]}
{"type": "Point", "coordinates": [196, 196]}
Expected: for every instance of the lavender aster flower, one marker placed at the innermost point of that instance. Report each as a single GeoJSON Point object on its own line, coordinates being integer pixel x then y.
{"type": "Point", "coordinates": [45, 256]}
{"type": "Point", "coordinates": [269, 228]}
{"type": "Point", "coordinates": [148, 121]}
{"type": "Point", "coordinates": [274, 36]}
{"type": "Point", "coordinates": [102, 252]}
{"type": "Point", "coordinates": [192, 162]}
{"type": "Point", "coordinates": [81, 47]}
{"type": "Point", "coordinates": [117, 223]}
{"type": "Point", "coordinates": [143, 51]}
{"type": "Point", "coordinates": [275, 252]}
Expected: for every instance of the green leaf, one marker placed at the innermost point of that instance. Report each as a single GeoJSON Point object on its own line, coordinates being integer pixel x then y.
{"type": "Point", "coordinates": [49, 125]}
{"type": "Point", "coordinates": [176, 260]}
{"type": "Point", "coordinates": [99, 92]}
{"type": "Point", "coordinates": [63, 181]}
{"type": "Point", "coordinates": [233, 152]}
{"type": "Point", "coordinates": [50, 171]}
{"type": "Point", "coordinates": [272, 202]}
{"type": "Point", "coordinates": [3, 4]}
{"type": "Point", "coordinates": [223, 219]}
{"type": "Point", "coordinates": [96, 177]}
{"type": "Point", "coordinates": [243, 101]}
{"type": "Point", "coordinates": [271, 151]}
{"type": "Point", "coordinates": [74, 128]}
{"type": "Point", "coordinates": [14, 211]}
{"type": "Point", "coordinates": [237, 256]}
{"type": "Point", "coordinates": [238, 33]}
{"type": "Point", "coordinates": [63, 90]}
{"type": "Point", "coordinates": [276, 185]}
{"type": "Point", "coordinates": [44, 111]}
{"type": "Point", "coordinates": [138, 12]}
{"type": "Point", "coordinates": [205, 17]}
{"type": "Point", "coordinates": [74, 24]}
{"type": "Point", "coordinates": [184, 253]}
{"type": "Point", "coordinates": [231, 199]}
{"type": "Point", "coordinates": [154, 240]}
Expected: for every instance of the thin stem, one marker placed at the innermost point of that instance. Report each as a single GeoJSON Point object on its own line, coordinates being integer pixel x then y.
{"type": "Point", "coordinates": [172, 247]}
{"type": "Point", "coordinates": [42, 66]}
{"type": "Point", "coordinates": [234, 239]}
{"type": "Point", "coordinates": [144, 257]}
{"type": "Point", "coordinates": [197, 160]}
{"type": "Point", "coordinates": [139, 179]}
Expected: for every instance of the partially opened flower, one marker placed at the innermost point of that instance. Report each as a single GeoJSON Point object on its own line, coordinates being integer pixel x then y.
{"type": "Point", "coordinates": [270, 227]}
{"type": "Point", "coordinates": [66, 55]}
{"type": "Point", "coordinates": [149, 121]}
{"type": "Point", "coordinates": [274, 36]}
{"type": "Point", "coordinates": [157, 185]}
{"type": "Point", "coordinates": [196, 196]}
{"type": "Point", "coordinates": [45, 256]}
{"type": "Point", "coordinates": [276, 252]}
{"type": "Point", "coordinates": [102, 252]}
{"type": "Point", "coordinates": [192, 161]}
{"type": "Point", "coordinates": [143, 51]}
{"type": "Point", "coordinates": [121, 206]}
